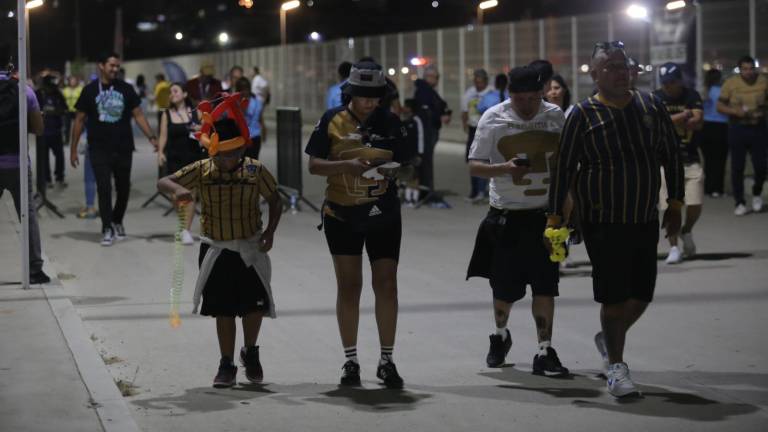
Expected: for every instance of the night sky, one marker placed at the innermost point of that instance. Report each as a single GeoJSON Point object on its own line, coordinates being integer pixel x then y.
{"type": "Point", "coordinates": [53, 35]}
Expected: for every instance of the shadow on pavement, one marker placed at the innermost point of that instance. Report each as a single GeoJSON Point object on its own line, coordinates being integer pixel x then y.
{"type": "Point", "coordinates": [587, 391]}
{"type": "Point", "coordinates": [208, 399]}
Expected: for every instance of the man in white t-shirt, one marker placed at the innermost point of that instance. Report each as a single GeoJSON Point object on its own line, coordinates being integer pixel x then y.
{"type": "Point", "coordinates": [469, 118]}
{"type": "Point", "coordinates": [515, 144]}
{"type": "Point", "coordinates": [260, 86]}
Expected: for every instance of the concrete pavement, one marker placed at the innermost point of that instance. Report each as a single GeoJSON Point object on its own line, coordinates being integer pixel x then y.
{"type": "Point", "coordinates": [698, 353]}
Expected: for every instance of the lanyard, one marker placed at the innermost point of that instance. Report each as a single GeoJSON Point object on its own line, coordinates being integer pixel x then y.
{"type": "Point", "coordinates": [103, 94]}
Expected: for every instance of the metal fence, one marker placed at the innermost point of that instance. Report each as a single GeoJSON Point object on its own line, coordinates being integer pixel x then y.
{"type": "Point", "coordinates": [299, 74]}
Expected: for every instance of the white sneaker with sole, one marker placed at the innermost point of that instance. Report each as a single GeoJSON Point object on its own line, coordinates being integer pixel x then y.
{"type": "Point", "coordinates": [108, 238]}
{"type": "Point", "coordinates": [740, 210]}
{"type": "Point", "coordinates": [757, 204]}
{"type": "Point", "coordinates": [689, 247]}
{"type": "Point", "coordinates": [620, 384]}
{"type": "Point", "coordinates": [186, 238]}
{"type": "Point", "coordinates": [674, 256]}
{"type": "Point", "coordinates": [603, 350]}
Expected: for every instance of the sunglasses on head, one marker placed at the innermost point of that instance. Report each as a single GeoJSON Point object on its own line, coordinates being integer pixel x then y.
{"type": "Point", "coordinates": [607, 47]}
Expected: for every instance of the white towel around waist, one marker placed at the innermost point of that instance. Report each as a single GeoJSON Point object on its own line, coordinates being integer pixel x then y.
{"type": "Point", "coordinates": [251, 255]}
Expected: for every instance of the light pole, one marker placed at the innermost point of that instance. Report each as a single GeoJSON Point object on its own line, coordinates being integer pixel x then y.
{"type": "Point", "coordinates": [284, 8]}
{"type": "Point", "coordinates": [487, 4]}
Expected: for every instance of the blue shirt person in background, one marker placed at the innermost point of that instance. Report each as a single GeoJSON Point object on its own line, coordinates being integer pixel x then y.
{"type": "Point", "coordinates": [254, 116]}
{"type": "Point", "coordinates": [333, 97]}
{"type": "Point", "coordinates": [496, 96]}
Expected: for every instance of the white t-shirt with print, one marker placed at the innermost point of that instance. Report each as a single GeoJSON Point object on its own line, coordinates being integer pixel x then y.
{"type": "Point", "coordinates": [502, 135]}
{"type": "Point", "coordinates": [469, 103]}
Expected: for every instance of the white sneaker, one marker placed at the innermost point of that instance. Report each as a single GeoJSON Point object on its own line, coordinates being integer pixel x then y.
{"type": "Point", "coordinates": [740, 210]}
{"type": "Point", "coordinates": [757, 204]}
{"type": "Point", "coordinates": [620, 384]}
{"type": "Point", "coordinates": [689, 247]}
{"type": "Point", "coordinates": [603, 350]}
{"type": "Point", "coordinates": [674, 256]}
{"type": "Point", "coordinates": [186, 238]}
{"type": "Point", "coordinates": [108, 238]}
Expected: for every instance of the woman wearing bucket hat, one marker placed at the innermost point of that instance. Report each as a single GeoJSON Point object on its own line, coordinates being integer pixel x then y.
{"type": "Point", "coordinates": [357, 146]}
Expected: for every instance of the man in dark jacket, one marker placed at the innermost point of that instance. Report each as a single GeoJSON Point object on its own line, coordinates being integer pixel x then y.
{"type": "Point", "coordinates": [437, 113]}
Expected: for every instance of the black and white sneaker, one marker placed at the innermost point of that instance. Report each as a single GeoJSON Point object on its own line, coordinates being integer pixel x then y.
{"type": "Point", "coordinates": [249, 358]}
{"type": "Point", "coordinates": [498, 350]}
{"type": "Point", "coordinates": [549, 365]}
{"type": "Point", "coordinates": [119, 231]}
{"type": "Point", "coordinates": [227, 375]}
{"type": "Point", "coordinates": [387, 372]}
{"type": "Point", "coordinates": [108, 237]}
{"type": "Point", "coordinates": [350, 375]}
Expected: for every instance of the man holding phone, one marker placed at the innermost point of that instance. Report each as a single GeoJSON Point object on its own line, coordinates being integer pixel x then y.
{"type": "Point", "coordinates": [514, 145]}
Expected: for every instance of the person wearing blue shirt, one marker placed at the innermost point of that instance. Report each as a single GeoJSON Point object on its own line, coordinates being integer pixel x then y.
{"type": "Point", "coordinates": [714, 137]}
{"type": "Point", "coordinates": [254, 116]}
{"type": "Point", "coordinates": [333, 97]}
{"type": "Point", "coordinates": [495, 97]}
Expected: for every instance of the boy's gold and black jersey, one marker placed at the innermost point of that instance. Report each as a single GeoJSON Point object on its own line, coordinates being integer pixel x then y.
{"type": "Point", "coordinates": [340, 136]}
{"type": "Point", "coordinates": [229, 200]}
{"type": "Point", "coordinates": [611, 158]}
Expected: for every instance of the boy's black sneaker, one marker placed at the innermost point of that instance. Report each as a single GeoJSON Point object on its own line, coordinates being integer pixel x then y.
{"type": "Point", "coordinates": [39, 277]}
{"type": "Point", "coordinates": [249, 358]}
{"type": "Point", "coordinates": [387, 372]}
{"type": "Point", "coordinates": [498, 350]}
{"type": "Point", "coordinates": [350, 375]}
{"type": "Point", "coordinates": [549, 365]}
{"type": "Point", "coordinates": [226, 377]}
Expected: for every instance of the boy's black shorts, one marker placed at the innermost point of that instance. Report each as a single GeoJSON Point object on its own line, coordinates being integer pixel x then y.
{"type": "Point", "coordinates": [380, 234]}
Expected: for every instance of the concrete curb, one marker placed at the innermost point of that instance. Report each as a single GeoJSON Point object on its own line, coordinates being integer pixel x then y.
{"type": "Point", "coordinates": [110, 406]}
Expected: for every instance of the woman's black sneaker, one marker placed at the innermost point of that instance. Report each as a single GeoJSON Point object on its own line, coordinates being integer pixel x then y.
{"type": "Point", "coordinates": [350, 375]}
{"type": "Point", "coordinates": [226, 376]}
{"type": "Point", "coordinates": [387, 372]}
{"type": "Point", "coordinates": [249, 358]}
{"type": "Point", "coordinates": [549, 365]}
{"type": "Point", "coordinates": [498, 350]}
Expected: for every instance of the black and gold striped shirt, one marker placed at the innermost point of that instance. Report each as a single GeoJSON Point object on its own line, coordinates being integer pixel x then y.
{"type": "Point", "coordinates": [611, 158]}
{"type": "Point", "coordinates": [229, 200]}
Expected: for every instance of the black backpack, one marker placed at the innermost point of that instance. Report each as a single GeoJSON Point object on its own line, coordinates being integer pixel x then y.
{"type": "Point", "coordinates": [9, 116]}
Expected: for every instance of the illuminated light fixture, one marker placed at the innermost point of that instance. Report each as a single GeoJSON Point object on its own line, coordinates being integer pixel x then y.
{"type": "Point", "coordinates": [648, 68]}
{"type": "Point", "coordinates": [33, 4]}
{"type": "Point", "coordinates": [585, 68]}
{"type": "Point", "coordinates": [418, 61]}
{"type": "Point", "coordinates": [404, 70]}
{"type": "Point", "coordinates": [223, 38]}
{"type": "Point", "coordinates": [161, 18]}
{"type": "Point", "coordinates": [435, 4]}
{"type": "Point", "coordinates": [637, 11]}
{"type": "Point", "coordinates": [146, 26]}
{"type": "Point", "coordinates": [673, 5]}
{"type": "Point", "coordinates": [315, 36]}
{"type": "Point", "coordinates": [245, 3]}
{"type": "Point", "coordinates": [11, 14]}
{"type": "Point", "coordinates": [488, 4]}
{"type": "Point", "coordinates": [391, 71]}
{"type": "Point", "coordinates": [179, 35]}
{"type": "Point", "coordinates": [293, 4]}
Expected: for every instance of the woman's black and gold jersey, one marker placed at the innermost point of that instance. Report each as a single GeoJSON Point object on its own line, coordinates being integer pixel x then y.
{"type": "Point", "coordinates": [229, 200]}
{"type": "Point", "coordinates": [340, 136]}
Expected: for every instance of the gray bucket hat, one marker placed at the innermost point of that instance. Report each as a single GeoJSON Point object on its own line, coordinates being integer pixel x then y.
{"type": "Point", "coordinates": [366, 79]}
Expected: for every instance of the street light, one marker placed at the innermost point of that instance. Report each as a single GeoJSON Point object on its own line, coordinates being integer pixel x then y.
{"type": "Point", "coordinates": [285, 7]}
{"type": "Point", "coordinates": [223, 38]}
{"type": "Point", "coordinates": [179, 36]}
{"type": "Point", "coordinates": [487, 4]}
{"type": "Point", "coordinates": [31, 4]}
{"type": "Point", "coordinates": [679, 4]}
{"type": "Point", "coordinates": [637, 11]}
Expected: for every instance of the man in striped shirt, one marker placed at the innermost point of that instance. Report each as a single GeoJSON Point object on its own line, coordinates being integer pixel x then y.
{"type": "Point", "coordinates": [611, 151]}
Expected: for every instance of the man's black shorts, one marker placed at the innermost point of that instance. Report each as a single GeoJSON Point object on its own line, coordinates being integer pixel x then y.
{"type": "Point", "coordinates": [623, 260]}
{"type": "Point", "coordinates": [510, 253]}
{"type": "Point", "coordinates": [380, 235]}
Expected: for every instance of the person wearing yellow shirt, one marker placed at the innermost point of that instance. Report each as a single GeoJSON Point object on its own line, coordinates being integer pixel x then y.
{"type": "Point", "coordinates": [71, 93]}
{"type": "Point", "coordinates": [162, 96]}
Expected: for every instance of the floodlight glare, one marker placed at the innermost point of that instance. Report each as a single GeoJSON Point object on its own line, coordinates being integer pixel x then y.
{"type": "Point", "coordinates": [223, 38]}
{"type": "Point", "coordinates": [488, 4]}
{"type": "Point", "coordinates": [293, 4]}
{"type": "Point", "coordinates": [179, 36]}
{"type": "Point", "coordinates": [678, 4]}
{"type": "Point", "coordinates": [637, 11]}
{"type": "Point", "coordinates": [315, 36]}
{"type": "Point", "coordinates": [33, 4]}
